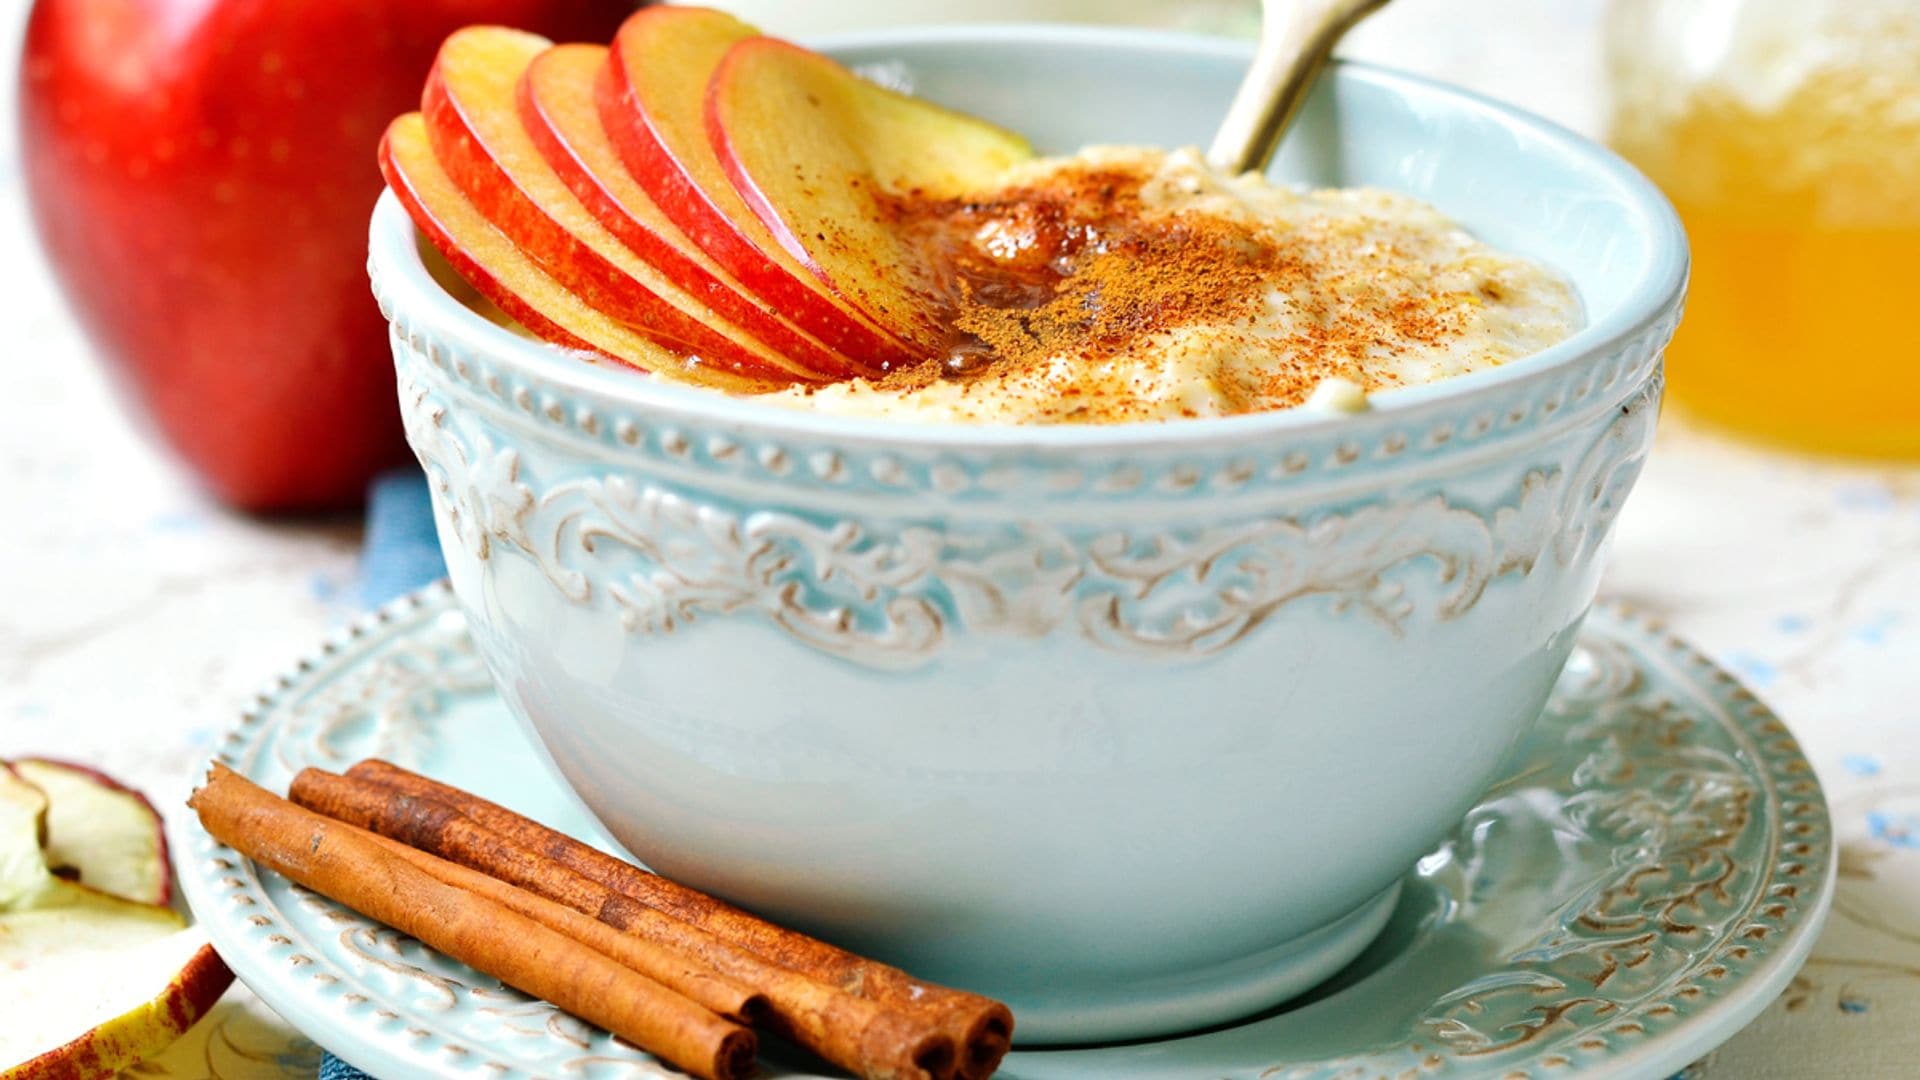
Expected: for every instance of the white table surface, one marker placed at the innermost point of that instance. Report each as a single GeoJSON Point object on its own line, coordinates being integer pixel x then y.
{"type": "Point", "coordinates": [136, 617]}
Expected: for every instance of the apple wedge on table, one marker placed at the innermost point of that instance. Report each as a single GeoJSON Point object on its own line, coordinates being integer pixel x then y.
{"type": "Point", "coordinates": [818, 152]}
{"type": "Point", "coordinates": [473, 125]}
{"type": "Point", "coordinates": [557, 108]}
{"type": "Point", "coordinates": [103, 990]}
{"type": "Point", "coordinates": [489, 261]}
{"type": "Point", "coordinates": [92, 983]}
{"type": "Point", "coordinates": [652, 105]}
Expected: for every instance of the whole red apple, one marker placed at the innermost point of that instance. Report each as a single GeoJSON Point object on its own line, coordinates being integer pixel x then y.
{"type": "Point", "coordinates": [201, 173]}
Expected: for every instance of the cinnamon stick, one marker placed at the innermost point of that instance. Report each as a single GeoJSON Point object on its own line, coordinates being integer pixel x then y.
{"type": "Point", "coordinates": [676, 971]}
{"type": "Point", "coordinates": [981, 1027]}
{"type": "Point", "coordinates": [856, 1034]}
{"type": "Point", "coordinates": [347, 865]}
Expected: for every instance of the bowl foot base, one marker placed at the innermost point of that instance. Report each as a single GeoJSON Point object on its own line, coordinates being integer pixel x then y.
{"type": "Point", "coordinates": [1197, 999]}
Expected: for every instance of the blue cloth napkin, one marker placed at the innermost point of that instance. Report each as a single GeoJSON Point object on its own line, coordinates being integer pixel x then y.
{"type": "Point", "coordinates": [400, 554]}
{"type": "Point", "coordinates": [332, 1068]}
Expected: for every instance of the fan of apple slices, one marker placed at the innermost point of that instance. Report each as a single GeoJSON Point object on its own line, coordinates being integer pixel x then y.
{"type": "Point", "coordinates": [96, 971]}
{"type": "Point", "coordinates": [696, 200]}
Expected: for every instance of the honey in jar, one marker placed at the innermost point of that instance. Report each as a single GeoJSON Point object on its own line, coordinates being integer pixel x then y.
{"type": "Point", "coordinates": [1787, 133]}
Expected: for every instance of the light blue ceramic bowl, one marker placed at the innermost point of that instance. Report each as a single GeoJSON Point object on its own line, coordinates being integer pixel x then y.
{"type": "Point", "coordinates": [1134, 727]}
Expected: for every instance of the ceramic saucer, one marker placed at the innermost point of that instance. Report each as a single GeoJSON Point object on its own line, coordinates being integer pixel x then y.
{"type": "Point", "coordinates": [1648, 876]}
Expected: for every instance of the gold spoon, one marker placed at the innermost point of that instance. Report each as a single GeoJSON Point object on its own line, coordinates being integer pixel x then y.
{"type": "Point", "coordinates": [1296, 38]}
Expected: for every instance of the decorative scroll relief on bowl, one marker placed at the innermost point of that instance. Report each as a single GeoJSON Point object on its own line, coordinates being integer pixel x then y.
{"type": "Point", "coordinates": [892, 595]}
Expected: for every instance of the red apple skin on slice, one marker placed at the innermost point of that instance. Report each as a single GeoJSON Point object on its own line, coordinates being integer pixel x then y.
{"type": "Point", "coordinates": [486, 259]}
{"type": "Point", "coordinates": [652, 106]}
{"type": "Point", "coordinates": [103, 830]}
{"type": "Point", "coordinates": [558, 110]}
{"type": "Point", "coordinates": [473, 125]}
{"type": "Point", "coordinates": [122, 1041]}
{"type": "Point", "coordinates": [814, 149]}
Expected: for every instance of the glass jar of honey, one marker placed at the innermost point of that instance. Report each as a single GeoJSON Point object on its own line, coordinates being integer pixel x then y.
{"type": "Point", "coordinates": [1787, 132]}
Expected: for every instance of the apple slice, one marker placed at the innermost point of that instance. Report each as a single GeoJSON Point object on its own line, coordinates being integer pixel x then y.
{"type": "Point", "coordinates": [473, 124]}
{"type": "Point", "coordinates": [106, 832]}
{"type": "Point", "coordinates": [558, 111]}
{"type": "Point", "coordinates": [652, 105]}
{"type": "Point", "coordinates": [92, 983]}
{"type": "Point", "coordinates": [816, 151]}
{"type": "Point", "coordinates": [499, 271]}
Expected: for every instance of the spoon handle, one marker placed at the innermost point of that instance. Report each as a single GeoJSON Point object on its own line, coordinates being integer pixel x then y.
{"type": "Point", "coordinates": [1296, 38]}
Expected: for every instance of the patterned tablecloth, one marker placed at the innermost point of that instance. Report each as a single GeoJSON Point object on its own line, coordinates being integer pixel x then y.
{"type": "Point", "coordinates": [135, 617]}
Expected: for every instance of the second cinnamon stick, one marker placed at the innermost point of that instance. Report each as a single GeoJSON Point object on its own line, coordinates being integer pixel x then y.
{"type": "Point", "coordinates": [682, 974]}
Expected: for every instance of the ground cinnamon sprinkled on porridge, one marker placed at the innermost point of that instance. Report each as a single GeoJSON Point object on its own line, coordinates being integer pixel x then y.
{"type": "Point", "coordinates": [1132, 284]}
